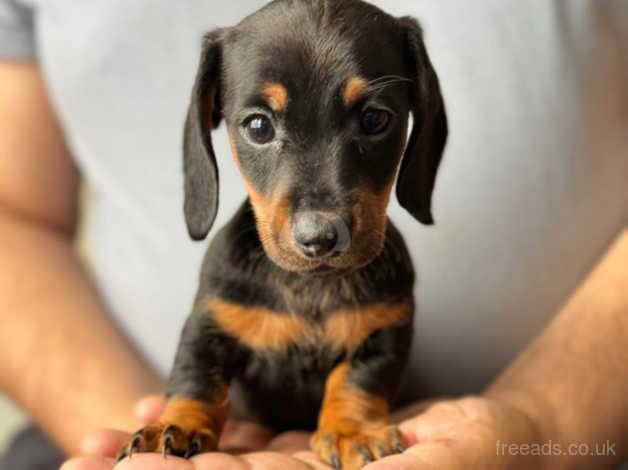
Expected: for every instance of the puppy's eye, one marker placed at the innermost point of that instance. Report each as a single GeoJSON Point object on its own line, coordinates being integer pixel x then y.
{"type": "Point", "coordinates": [374, 121]}
{"type": "Point", "coordinates": [259, 129]}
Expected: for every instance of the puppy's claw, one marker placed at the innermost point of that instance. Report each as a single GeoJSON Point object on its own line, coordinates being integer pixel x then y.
{"type": "Point", "coordinates": [131, 449]}
{"type": "Point", "coordinates": [170, 440]}
{"type": "Point", "coordinates": [121, 455]}
{"type": "Point", "coordinates": [356, 449]}
{"type": "Point", "coordinates": [367, 457]}
{"type": "Point", "coordinates": [398, 441]}
{"type": "Point", "coordinates": [382, 451]}
{"type": "Point", "coordinates": [167, 446]}
{"type": "Point", "coordinates": [194, 449]}
{"type": "Point", "coordinates": [135, 444]}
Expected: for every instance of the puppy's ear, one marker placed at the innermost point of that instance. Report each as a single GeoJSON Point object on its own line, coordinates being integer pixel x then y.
{"type": "Point", "coordinates": [199, 161]}
{"type": "Point", "coordinates": [417, 173]}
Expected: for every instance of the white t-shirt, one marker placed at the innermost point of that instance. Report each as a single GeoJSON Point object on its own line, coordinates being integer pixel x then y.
{"type": "Point", "coordinates": [532, 189]}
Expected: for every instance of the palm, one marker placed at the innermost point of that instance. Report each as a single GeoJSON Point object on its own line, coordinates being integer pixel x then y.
{"type": "Point", "coordinates": [443, 435]}
{"type": "Point", "coordinates": [463, 434]}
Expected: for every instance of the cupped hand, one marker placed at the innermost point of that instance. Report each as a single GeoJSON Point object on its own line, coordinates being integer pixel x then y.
{"type": "Point", "coordinates": [467, 433]}
{"type": "Point", "coordinates": [287, 451]}
{"type": "Point", "coordinates": [100, 447]}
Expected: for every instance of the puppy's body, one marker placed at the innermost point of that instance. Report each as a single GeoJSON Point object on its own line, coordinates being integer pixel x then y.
{"type": "Point", "coordinates": [305, 302]}
{"type": "Point", "coordinates": [279, 373]}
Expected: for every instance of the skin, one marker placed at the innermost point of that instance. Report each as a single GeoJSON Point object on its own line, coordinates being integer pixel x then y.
{"type": "Point", "coordinates": [561, 388]}
{"type": "Point", "coordinates": [38, 217]}
{"type": "Point", "coordinates": [44, 292]}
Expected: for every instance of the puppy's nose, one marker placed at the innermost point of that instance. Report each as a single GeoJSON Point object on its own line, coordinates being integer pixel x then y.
{"type": "Point", "coordinates": [318, 233]}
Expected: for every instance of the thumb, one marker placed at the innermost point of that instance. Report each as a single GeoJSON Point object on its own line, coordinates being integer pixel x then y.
{"type": "Point", "coordinates": [81, 463]}
{"type": "Point", "coordinates": [429, 456]}
{"type": "Point", "coordinates": [104, 442]}
{"type": "Point", "coordinates": [107, 442]}
{"type": "Point", "coordinates": [148, 409]}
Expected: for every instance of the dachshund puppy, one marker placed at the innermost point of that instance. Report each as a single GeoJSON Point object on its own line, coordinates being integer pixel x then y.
{"type": "Point", "coordinates": [303, 318]}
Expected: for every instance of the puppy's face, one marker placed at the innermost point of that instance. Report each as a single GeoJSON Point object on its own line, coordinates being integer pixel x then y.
{"type": "Point", "coordinates": [316, 97]}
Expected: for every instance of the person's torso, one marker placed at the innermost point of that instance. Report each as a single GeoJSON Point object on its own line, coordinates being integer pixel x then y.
{"type": "Point", "coordinates": [531, 190]}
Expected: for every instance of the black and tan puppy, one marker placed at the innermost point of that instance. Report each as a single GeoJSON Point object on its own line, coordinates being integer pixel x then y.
{"type": "Point", "coordinates": [305, 304]}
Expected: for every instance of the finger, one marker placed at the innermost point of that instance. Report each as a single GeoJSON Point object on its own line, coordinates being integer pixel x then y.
{"type": "Point", "coordinates": [290, 442]}
{"type": "Point", "coordinates": [220, 461]}
{"type": "Point", "coordinates": [104, 442]}
{"type": "Point", "coordinates": [274, 461]}
{"type": "Point", "coordinates": [148, 409]}
{"type": "Point", "coordinates": [447, 439]}
{"type": "Point", "coordinates": [413, 410]}
{"type": "Point", "coordinates": [439, 420]}
{"type": "Point", "coordinates": [399, 462]}
{"type": "Point", "coordinates": [429, 456]}
{"type": "Point", "coordinates": [311, 459]}
{"type": "Point", "coordinates": [153, 462]}
{"type": "Point", "coordinates": [244, 436]}
{"type": "Point", "coordinates": [88, 463]}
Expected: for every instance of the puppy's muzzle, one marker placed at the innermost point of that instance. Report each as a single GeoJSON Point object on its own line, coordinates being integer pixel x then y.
{"type": "Point", "coordinates": [319, 234]}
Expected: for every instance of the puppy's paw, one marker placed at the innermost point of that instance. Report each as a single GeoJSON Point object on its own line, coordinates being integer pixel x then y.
{"type": "Point", "coordinates": [353, 449]}
{"type": "Point", "coordinates": [170, 439]}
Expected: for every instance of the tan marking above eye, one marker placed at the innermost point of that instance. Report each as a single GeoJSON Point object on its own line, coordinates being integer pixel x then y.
{"type": "Point", "coordinates": [354, 90]}
{"type": "Point", "coordinates": [277, 96]}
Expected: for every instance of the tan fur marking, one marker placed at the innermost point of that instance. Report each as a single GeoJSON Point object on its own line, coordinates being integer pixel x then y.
{"type": "Point", "coordinates": [352, 419]}
{"type": "Point", "coordinates": [258, 327]}
{"type": "Point", "coordinates": [195, 414]}
{"type": "Point", "coordinates": [271, 212]}
{"type": "Point", "coordinates": [272, 217]}
{"type": "Point", "coordinates": [370, 220]}
{"type": "Point", "coordinates": [182, 420]}
{"type": "Point", "coordinates": [277, 96]}
{"type": "Point", "coordinates": [377, 204]}
{"type": "Point", "coordinates": [347, 329]}
{"type": "Point", "coordinates": [345, 408]}
{"type": "Point", "coordinates": [354, 90]}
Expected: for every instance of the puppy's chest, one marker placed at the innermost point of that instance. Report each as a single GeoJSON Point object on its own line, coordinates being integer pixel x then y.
{"type": "Point", "coordinates": [338, 318]}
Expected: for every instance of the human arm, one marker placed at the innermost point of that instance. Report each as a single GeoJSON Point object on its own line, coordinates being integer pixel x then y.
{"type": "Point", "coordinates": [567, 389]}
{"type": "Point", "coordinates": [64, 360]}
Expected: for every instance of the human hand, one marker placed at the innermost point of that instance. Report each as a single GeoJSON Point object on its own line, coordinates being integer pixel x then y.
{"type": "Point", "coordinates": [443, 435]}
{"type": "Point", "coordinates": [100, 447]}
{"type": "Point", "coordinates": [284, 451]}
{"type": "Point", "coordinates": [462, 434]}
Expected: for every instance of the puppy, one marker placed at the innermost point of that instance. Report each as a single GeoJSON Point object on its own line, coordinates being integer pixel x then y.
{"type": "Point", "coordinates": [305, 306]}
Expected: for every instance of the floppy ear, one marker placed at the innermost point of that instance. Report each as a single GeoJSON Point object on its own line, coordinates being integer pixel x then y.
{"type": "Point", "coordinates": [199, 161]}
{"type": "Point", "coordinates": [417, 173]}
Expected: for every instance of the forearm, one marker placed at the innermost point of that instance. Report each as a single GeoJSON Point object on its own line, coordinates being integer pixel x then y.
{"type": "Point", "coordinates": [574, 378]}
{"type": "Point", "coordinates": [63, 359]}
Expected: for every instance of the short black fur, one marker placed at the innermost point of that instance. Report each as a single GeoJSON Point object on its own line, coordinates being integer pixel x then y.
{"type": "Point", "coordinates": [321, 162]}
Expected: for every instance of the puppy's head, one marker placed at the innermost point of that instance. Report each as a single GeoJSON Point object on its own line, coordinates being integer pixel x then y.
{"type": "Point", "coordinates": [316, 96]}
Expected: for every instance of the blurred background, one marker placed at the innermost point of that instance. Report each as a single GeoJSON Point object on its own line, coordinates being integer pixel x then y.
{"type": "Point", "coordinates": [530, 193]}
{"type": "Point", "coordinates": [11, 419]}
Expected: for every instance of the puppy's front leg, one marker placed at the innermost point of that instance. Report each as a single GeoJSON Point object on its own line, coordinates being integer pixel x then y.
{"type": "Point", "coordinates": [197, 393]}
{"type": "Point", "coordinates": [354, 427]}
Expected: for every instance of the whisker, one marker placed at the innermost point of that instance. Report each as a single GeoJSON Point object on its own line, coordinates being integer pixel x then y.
{"type": "Point", "coordinates": [386, 77]}
{"type": "Point", "coordinates": [380, 84]}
